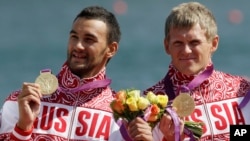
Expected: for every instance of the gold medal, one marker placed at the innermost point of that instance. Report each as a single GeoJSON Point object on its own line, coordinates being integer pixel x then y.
{"type": "Point", "coordinates": [184, 104]}
{"type": "Point", "coordinates": [48, 82]}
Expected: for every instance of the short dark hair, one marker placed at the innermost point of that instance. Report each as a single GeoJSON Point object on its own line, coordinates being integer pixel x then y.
{"type": "Point", "coordinates": [100, 13]}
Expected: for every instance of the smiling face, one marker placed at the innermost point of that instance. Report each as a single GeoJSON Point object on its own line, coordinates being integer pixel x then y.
{"type": "Point", "coordinates": [88, 50]}
{"type": "Point", "coordinates": [189, 49]}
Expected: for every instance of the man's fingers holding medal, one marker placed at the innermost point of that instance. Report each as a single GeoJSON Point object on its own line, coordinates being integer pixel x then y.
{"type": "Point", "coordinates": [30, 89]}
{"type": "Point", "coordinates": [29, 101]}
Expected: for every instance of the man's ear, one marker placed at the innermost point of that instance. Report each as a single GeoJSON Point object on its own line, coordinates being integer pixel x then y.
{"type": "Point", "coordinates": [215, 43]}
{"type": "Point", "coordinates": [166, 45]}
{"type": "Point", "coordinates": [112, 49]}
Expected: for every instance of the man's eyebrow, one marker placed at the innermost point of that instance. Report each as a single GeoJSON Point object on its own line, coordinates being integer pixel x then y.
{"type": "Point", "coordinates": [87, 34]}
{"type": "Point", "coordinates": [72, 31]}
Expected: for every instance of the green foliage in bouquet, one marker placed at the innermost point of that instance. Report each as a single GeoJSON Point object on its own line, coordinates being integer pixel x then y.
{"type": "Point", "coordinates": [195, 128]}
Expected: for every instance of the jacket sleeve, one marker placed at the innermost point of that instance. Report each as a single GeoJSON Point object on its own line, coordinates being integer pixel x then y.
{"type": "Point", "coordinates": [8, 118]}
{"type": "Point", "coordinates": [20, 135]}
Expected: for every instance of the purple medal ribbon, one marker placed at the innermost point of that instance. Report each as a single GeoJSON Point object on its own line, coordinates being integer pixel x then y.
{"type": "Point", "coordinates": [90, 85]}
{"type": "Point", "coordinates": [245, 100]}
{"type": "Point", "coordinates": [169, 90]}
{"type": "Point", "coordinates": [198, 79]}
{"type": "Point", "coordinates": [174, 116]}
{"type": "Point", "coordinates": [46, 70]}
{"type": "Point", "coordinates": [189, 133]}
{"type": "Point", "coordinates": [124, 133]}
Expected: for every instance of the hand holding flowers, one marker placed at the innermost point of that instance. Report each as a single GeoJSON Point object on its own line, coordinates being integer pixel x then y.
{"type": "Point", "coordinates": [128, 104]}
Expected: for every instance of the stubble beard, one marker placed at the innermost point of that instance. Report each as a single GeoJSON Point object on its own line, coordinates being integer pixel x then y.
{"type": "Point", "coordinates": [78, 69]}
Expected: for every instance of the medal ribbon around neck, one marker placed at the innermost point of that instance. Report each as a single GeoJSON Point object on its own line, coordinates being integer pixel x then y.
{"type": "Point", "coordinates": [49, 83]}
{"type": "Point", "coordinates": [198, 80]}
{"type": "Point", "coordinates": [245, 100]}
{"type": "Point", "coordinates": [90, 85]}
{"type": "Point", "coordinates": [184, 89]}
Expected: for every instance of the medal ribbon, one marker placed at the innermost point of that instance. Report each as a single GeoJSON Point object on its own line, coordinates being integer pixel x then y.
{"type": "Point", "coordinates": [124, 132]}
{"type": "Point", "coordinates": [198, 80]}
{"type": "Point", "coordinates": [170, 91]}
{"type": "Point", "coordinates": [46, 70]}
{"type": "Point", "coordinates": [245, 100]}
{"type": "Point", "coordinates": [91, 85]}
{"type": "Point", "coordinates": [176, 121]}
